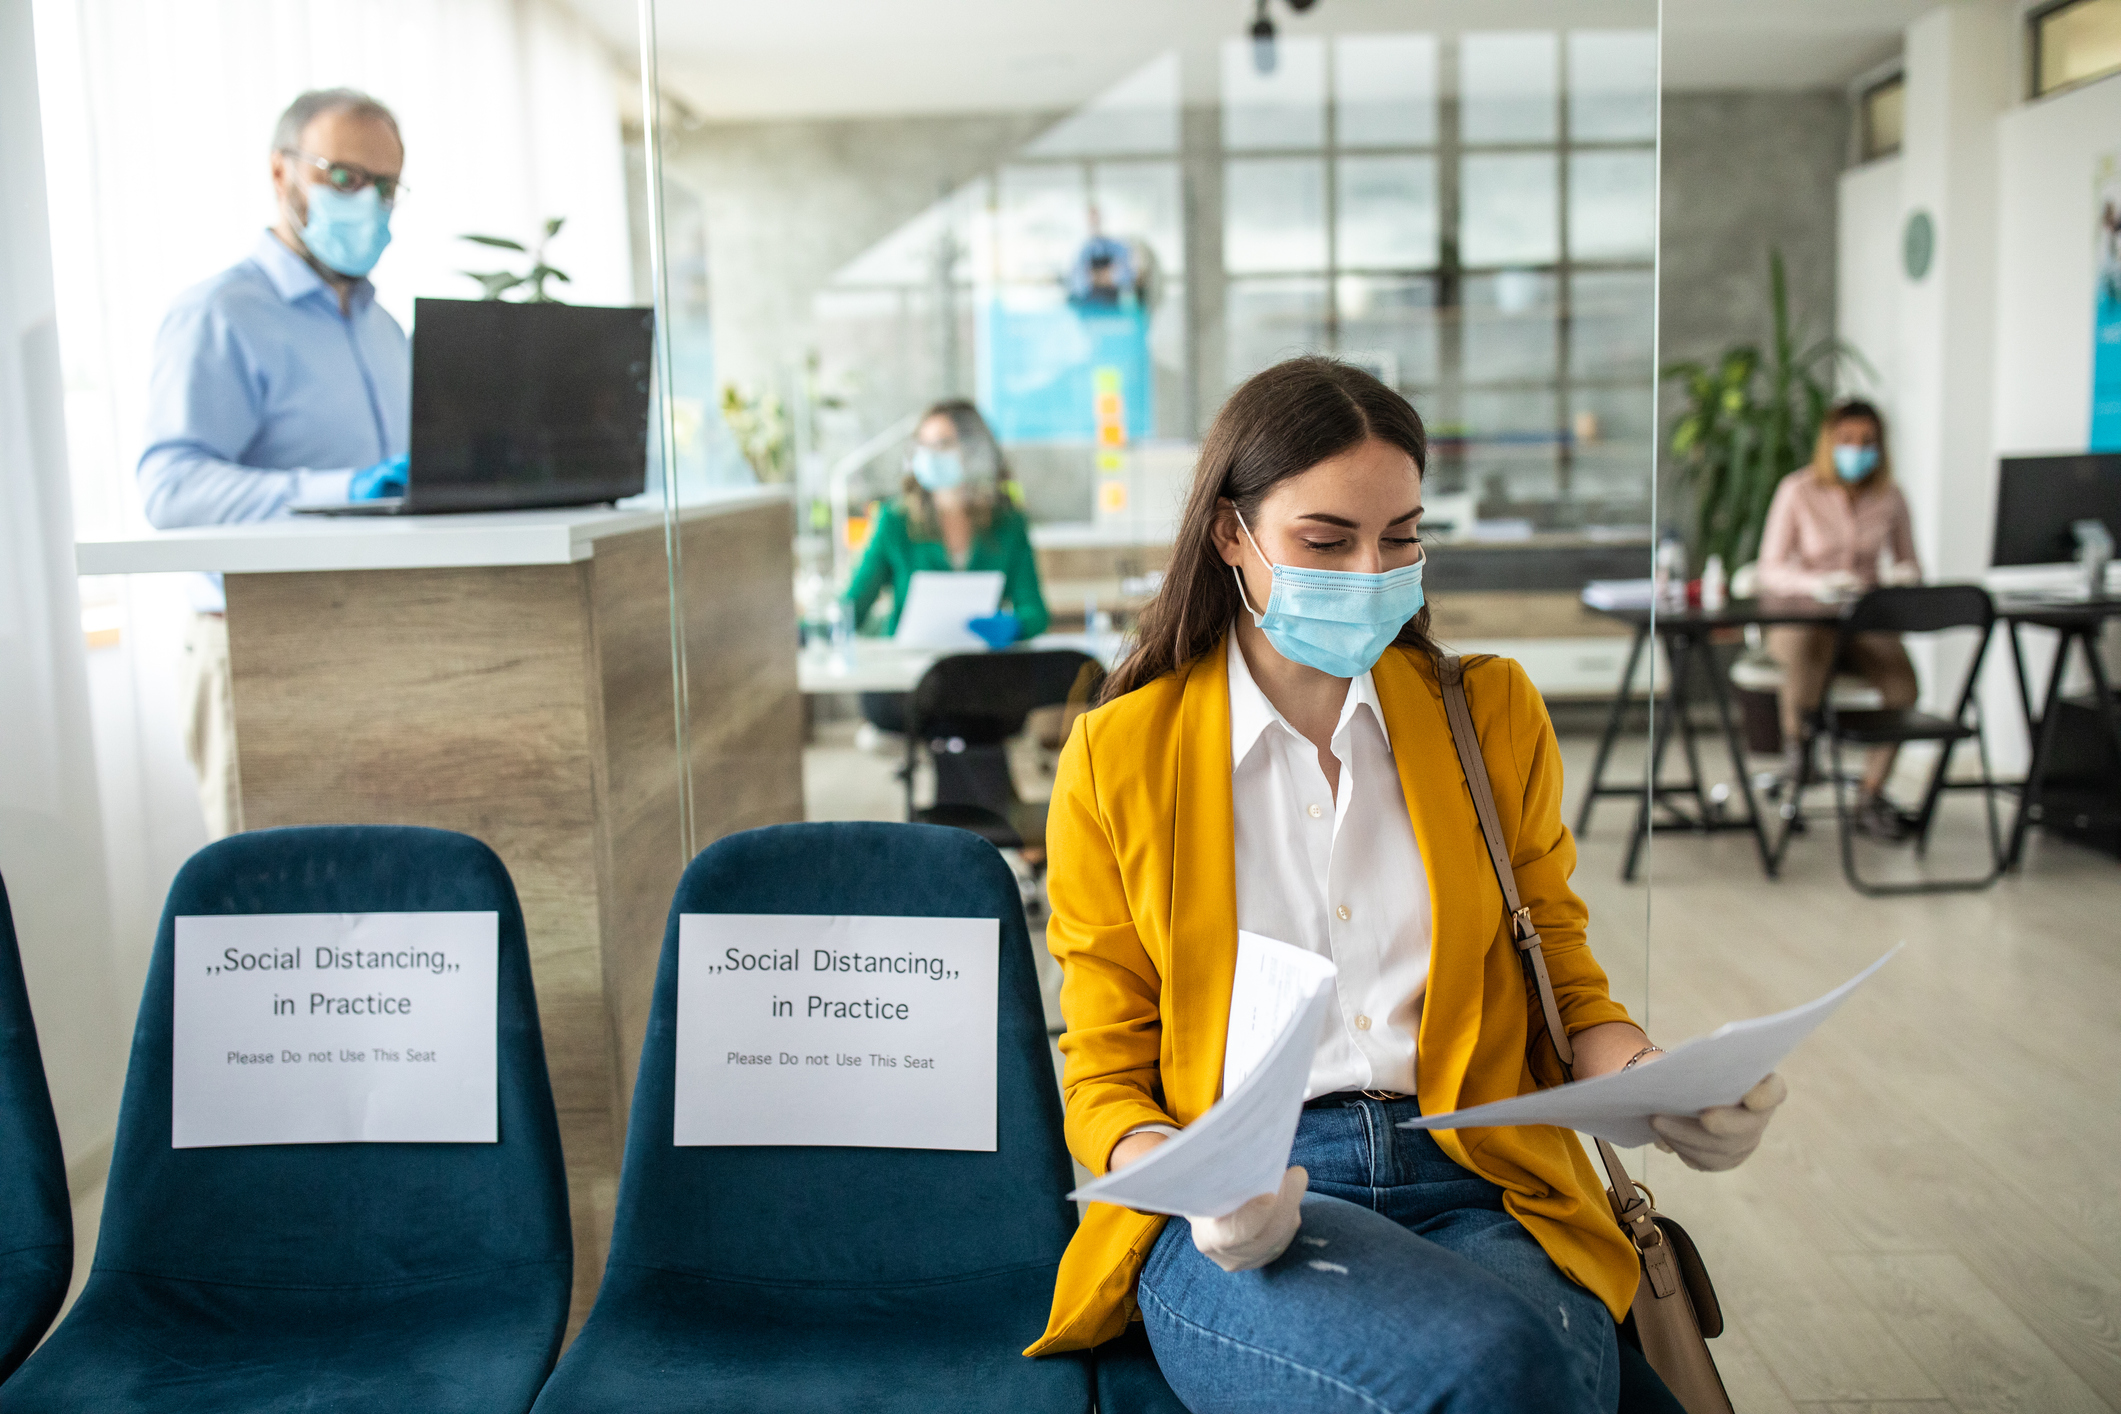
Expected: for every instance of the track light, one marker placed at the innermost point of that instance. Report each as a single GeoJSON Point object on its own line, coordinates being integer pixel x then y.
{"type": "Point", "coordinates": [1263, 56]}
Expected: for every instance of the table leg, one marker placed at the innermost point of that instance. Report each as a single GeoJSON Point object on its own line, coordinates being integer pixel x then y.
{"type": "Point", "coordinates": [2102, 687]}
{"type": "Point", "coordinates": [1702, 658]}
{"type": "Point", "coordinates": [1612, 729]}
{"type": "Point", "coordinates": [2025, 689]}
{"type": "Point", "coordinates": [2044, 739]}
{"type": "Point", "coordinates": [1676, 651]}
{"type": "Point", "coordinates": [1735, 744]}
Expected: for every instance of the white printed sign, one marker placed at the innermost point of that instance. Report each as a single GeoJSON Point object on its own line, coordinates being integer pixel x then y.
{"type": "Point", "coordinates": [815, 1030]}
{"type": "Point", "coordinates": [334, 1028]}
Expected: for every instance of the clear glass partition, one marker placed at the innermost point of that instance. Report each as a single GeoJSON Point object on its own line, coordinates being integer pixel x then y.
{"type": "Point", "coordinates": [1094, 228]}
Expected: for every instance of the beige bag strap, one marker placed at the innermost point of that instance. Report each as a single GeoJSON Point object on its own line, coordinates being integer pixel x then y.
{"type": "Point", "coordinates": [1633, 1210]}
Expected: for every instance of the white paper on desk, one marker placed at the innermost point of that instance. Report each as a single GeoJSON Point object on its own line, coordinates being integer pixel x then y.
{"type": "Point", "coordinates": [939, 603]}
{"type": "Point", "coordinates": [1716, 1069]}
{"type": "Point", "coordinates": [1240, 1147]}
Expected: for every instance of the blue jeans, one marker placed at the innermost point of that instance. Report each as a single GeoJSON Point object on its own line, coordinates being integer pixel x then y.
{"type": "Point", "coordinates": [1408, 1290]}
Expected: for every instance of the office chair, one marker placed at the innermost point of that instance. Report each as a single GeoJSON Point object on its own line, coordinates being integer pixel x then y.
{"type": "Point", "coordinates": [772, 1279]}
{"type": "Point", "coordinates": [329, 1278]}
{"type": "Point", "coordinates": [963, 712]}
{"type": "Point", "coordinates": [1933, 608]}
{"type": "Point", "coordinates": [36, 1215]}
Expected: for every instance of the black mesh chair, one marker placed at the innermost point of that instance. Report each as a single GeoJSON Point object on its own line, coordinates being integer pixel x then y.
{"type": "Point", "coordinates": [1933, 608]}
{"type": "Point", "coordinates": [962, 713]}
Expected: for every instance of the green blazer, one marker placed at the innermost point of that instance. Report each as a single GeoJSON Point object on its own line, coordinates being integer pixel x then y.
{"type": "Point", "coordinates": [894, 554]}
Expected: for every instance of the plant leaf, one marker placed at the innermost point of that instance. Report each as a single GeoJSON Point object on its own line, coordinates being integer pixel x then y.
{"type": "Point", "coordinates": [552, 226]}
{"type": "Point", "coordinates": [499, 242]}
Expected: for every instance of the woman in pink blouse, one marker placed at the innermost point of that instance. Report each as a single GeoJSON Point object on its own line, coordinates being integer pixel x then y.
{"type": "Point", "coordinates": [1835, 529]}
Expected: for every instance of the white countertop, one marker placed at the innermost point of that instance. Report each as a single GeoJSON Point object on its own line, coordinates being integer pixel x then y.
{"type": "Point", "coordinates": [298, 543]}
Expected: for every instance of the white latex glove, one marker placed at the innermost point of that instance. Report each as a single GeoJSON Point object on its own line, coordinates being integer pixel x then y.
{"type": "Point", "coordinates": [1831, 585]}
{"type": "Point", "coordinates": [1257, 1233]}
{"type": "Point", "coordinates": [1722, 1136]}
{"type": "Point", "coordinates": [1901, 574]}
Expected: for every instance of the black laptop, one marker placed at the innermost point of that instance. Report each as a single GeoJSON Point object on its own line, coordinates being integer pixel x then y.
{"type": "Point", "coordinates": [516, 406]}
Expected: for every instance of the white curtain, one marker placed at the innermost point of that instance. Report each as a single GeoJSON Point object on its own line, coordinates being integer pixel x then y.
{"type": "Point", "coordinates": [157, 119]}
{"type": "Point", "coordinates": [51, 847]}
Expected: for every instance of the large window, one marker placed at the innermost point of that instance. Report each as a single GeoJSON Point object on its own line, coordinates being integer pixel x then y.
{"type": "Point", "coordinates": [1471, 217]}
{"type": "Point", "coordinates": [2074, 42]}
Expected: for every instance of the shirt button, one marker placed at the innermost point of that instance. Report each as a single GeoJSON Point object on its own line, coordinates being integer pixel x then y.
{"type": "Point", "coordinates": [1343, 912]}
{"type": "Point", "coordinates": [1362, 1023]}
{"type": "Point", "coordinates": [1315, 811]}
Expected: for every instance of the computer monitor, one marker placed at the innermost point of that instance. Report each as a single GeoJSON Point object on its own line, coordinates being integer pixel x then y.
{"type": "Point", "coordinates": [516, 406]}
{"type": "Point", "coordinates": [2038, 499]}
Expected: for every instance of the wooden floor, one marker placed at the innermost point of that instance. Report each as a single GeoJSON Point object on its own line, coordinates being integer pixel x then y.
{"type": "Point", "coordinates": [1933, 1225]}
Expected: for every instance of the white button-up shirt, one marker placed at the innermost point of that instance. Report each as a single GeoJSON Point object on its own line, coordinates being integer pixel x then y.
{"type": "Point", "coordinates": [1339, 875]}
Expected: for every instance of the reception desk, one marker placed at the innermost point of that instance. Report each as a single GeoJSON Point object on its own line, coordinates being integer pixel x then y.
{"type": "Point", "coordinates": [509, 676]}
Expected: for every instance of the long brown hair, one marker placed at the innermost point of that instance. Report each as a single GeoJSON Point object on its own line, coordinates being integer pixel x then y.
{"type": "Point", "coordinates": [989, 499]}
{"type": "Point", "coordinates": [1849, 410]}
{"type": "Point", "coordinates": [1279, 424]}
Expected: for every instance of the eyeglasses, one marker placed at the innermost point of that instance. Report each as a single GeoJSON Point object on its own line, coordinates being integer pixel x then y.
{"type": "Point", "coordinates": [348, 178]}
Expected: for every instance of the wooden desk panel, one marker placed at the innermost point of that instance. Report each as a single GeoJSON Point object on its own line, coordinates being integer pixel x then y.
{"type": "Point", "coordinates": [532, 707]}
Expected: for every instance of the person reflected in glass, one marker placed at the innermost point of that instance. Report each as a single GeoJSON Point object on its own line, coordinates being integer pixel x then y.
{"type": "Point", "coordinates": [280, 381]}
{"type": "Point", "coordinates": [1274, 757]}
{"type": "Point", "coordinates": [1837, 528]}
{"type": "Point", "coordinates": [954, 511]}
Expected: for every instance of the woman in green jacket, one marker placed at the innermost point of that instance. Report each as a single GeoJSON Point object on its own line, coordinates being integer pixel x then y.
{"type": "Point", "coordinates": [953, 513]}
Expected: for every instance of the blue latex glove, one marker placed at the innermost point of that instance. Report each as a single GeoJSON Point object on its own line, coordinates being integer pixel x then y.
{"type": "Point", "coordinates": [385, 478]}
{"type": "Point", "coordinates": [997, 630]}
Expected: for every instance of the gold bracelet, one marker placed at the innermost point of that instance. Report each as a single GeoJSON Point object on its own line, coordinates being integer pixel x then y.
{"type": "Point", "coordinates": [1645, 1051]}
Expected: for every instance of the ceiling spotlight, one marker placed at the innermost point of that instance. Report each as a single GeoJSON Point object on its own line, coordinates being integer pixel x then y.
{"type": "Point", "coordinates": [1299, 6]}
{"type": "Point", "coordinates": [1263, 41]}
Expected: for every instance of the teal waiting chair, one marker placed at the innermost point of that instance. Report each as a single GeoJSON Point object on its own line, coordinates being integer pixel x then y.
{"type": "Point", "coordinates": [36, 1219]}
{"type": "Point", "coordinates": [325, 1278]}
{"type": "Point", "coordinates": [766, 1280]}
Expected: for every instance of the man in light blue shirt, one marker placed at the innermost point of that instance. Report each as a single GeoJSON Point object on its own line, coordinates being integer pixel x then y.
{"type": "Point", "coordinates": [279, 381]}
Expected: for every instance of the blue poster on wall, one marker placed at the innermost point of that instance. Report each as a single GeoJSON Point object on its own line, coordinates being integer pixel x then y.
{"type": "Point", "coordinates": [2106, 305]}
{"type": "Point", "coordinates": [1037, 358]}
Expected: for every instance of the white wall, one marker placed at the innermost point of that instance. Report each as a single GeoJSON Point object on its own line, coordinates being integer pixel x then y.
{"type": "Point", "coordinates": [51, 850]}
{"type": "Point", "coordinates": [2045, 266]}
{"type": "Point", "coordinates": [1867, 275]}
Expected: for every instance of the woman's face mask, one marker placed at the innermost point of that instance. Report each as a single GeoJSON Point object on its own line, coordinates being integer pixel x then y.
{"type": "Point", "coordinates": [1337, 621]}
{"type": "Point", "coordinates": [346, 231]}
{"type": "Point", "coordinates": [938, 468]}
{"type": "Point", "coordinates": [1853, 460]}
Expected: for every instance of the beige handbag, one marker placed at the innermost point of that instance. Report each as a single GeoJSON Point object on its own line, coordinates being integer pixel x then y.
{"type": "Point", "coordinates": [1675, 1311]}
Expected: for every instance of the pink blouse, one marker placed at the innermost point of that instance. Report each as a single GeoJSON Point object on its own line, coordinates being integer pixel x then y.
{"type": "Point", "coordinates": [1815, 529]}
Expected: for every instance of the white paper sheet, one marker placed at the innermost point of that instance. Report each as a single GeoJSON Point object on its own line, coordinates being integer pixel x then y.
{"type": "Point", "coordinates": [816, 1029]}
{"type": "Point", "coordinates": [940, 603]}
{"type": "Point", "coordinates": [334, 1028]}
{"type": "Point", "coordinates": [1240, 1147]}
{"type": "Point", "coordinates": [1716, 1069]}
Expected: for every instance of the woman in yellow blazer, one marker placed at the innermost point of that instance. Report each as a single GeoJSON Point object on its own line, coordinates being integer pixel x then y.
{"type": "Point", "coordinates": [1274, 756]}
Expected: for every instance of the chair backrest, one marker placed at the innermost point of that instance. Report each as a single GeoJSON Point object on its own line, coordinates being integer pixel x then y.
{"type": "Point", "coordinates": [986, 696]}
{"type": "Point", "coordinates": [1922, 608]}
{"type": "Point", "coordinates": [830, 1231]}
{"type": "Point", "coordinates": [36, 1218]}
{"type": "Point", "coordinates": [349, 1214]}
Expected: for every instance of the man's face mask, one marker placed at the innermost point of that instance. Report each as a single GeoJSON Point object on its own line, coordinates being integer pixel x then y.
{"type": "Point", "coordinates": [346, 231]}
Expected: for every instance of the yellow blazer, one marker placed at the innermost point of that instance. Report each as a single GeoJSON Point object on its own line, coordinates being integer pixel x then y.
{"type": "Point", "coordinates": [1144, 894]}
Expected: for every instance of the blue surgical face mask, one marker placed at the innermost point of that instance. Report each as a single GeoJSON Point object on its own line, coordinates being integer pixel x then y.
{"type": "Point", "coordinates": [938, 469]}
{"type": "Point", "coordinates": [1337, 621]}
{"type": "Point", "coordinates": [1853, 462]}
{"type": "Point", "coordinates": [347, 231]}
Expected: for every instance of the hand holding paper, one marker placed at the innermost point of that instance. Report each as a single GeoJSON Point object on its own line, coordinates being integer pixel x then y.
{"type": "Point", "coordinates": [1239, 1149]}
{"type": "Point", "coordinates": [1711, 1071]}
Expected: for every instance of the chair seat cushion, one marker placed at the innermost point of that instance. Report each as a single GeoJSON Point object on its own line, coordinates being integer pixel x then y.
{"type": "Point", "coordinates": [662, 1342]}
{"type": "Point", "coordinates": [481, 1343]}
{"type": "Point", "coordinates": [1909, 725]}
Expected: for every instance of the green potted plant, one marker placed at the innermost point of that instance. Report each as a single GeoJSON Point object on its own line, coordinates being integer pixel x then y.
{"type": "Point", "coordinates": [493, 284]}
{"type": "Point", "coordinates": [1751, 418]}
